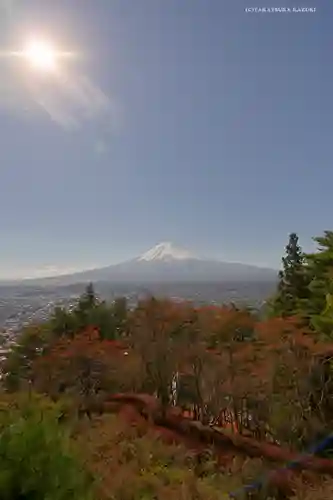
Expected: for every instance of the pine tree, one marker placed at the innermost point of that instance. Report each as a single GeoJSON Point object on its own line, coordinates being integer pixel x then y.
{"type": "Point", "coordinates": [87, 304]}
{"type": "Point", "coordinates": [88, 301]}
{"type": "Point", "coordinates": [293, 280]}
{"type": "Point", "coordinates": [318, 307]}
{"type": "Point", "coordinates": [90, 296]}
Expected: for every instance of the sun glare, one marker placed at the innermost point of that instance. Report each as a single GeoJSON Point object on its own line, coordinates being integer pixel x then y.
{"type": "Point", "coordinates": [41, 55]}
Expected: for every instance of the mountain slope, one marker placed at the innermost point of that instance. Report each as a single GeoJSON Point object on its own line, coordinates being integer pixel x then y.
{"type": "Point", "coordinates": [166, 263]}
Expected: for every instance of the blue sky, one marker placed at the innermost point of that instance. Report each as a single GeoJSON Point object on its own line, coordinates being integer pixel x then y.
{"type": "Point", "coordinates": [198, 123]}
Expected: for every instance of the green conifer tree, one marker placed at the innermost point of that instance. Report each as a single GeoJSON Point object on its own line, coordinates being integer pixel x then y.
{"type": "Point", "coordinates": [318, 307]}
{"type": "Point", "coordinates": [293, 281]}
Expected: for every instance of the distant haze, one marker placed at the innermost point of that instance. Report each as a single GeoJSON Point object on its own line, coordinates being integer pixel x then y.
{"type": "Point", "coordinates": [167, 263]}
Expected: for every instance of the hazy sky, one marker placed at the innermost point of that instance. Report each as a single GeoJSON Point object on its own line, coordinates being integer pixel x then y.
{"type": "Point", "coordinates": [184, 120]}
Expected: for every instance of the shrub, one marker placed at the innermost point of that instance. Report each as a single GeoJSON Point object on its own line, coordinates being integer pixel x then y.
{"type": "Point", "coordinates": [36, 460]}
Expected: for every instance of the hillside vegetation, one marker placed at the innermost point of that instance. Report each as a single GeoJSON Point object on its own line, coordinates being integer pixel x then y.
{"type": "Point", "coordinates": [171, 400]}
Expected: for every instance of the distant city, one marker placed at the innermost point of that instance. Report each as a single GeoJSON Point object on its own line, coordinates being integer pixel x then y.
{"type": "Point", "coordinates": [21, 305]}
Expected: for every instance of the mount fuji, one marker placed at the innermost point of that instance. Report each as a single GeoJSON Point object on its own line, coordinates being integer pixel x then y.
{"type": "Point", "coordinates": [166, 263]}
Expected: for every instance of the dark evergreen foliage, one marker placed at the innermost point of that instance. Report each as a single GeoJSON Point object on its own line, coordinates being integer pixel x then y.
{"type": "Point", "coordinates": [293, 281]}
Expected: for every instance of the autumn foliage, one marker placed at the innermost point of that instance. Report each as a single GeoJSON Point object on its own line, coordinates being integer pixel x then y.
{"type": "Point", "coordinates": [199, 375]}
{"type": "Point", "coordinates": [217, 363]}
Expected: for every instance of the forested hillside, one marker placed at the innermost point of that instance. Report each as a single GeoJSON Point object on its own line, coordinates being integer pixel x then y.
{"type": "Point", "coordinates": [172, 400]}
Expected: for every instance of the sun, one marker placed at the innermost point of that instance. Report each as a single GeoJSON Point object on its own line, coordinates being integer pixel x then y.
{"type": "Point", "coordinates": [41, 55]}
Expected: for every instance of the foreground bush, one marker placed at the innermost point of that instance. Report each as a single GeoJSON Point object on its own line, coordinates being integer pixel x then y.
{"type": "Point", "coordinates": [131, 462]}
{"type": "Point", "coordinates": [36, 460]}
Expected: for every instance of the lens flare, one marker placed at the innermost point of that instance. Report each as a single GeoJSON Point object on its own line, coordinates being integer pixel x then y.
{"type": "Point", "coordinates": [41, 55]}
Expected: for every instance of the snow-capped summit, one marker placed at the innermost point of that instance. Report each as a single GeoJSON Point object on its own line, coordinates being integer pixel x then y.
{"type": "Point", "coordinates": [166, 263]}
{"type": "Point", "coordinates": [165, 251]}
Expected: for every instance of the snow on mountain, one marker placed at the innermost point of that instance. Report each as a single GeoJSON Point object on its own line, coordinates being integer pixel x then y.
{"type": "Point", "coordinates": [166, 263]}
{"type": "Point", "coordinates": [165, 251]}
